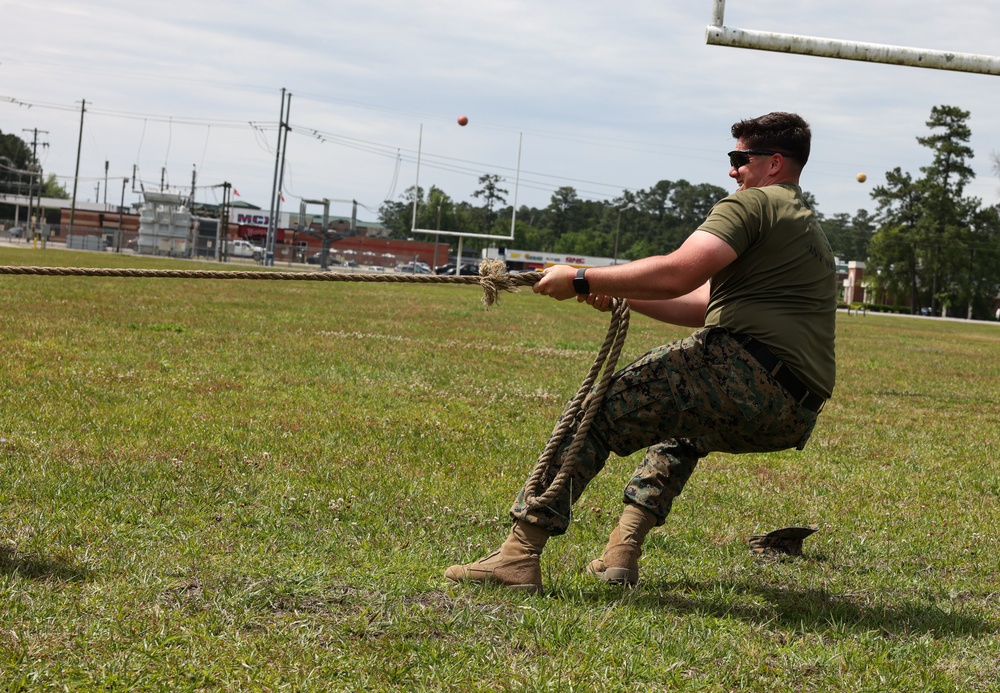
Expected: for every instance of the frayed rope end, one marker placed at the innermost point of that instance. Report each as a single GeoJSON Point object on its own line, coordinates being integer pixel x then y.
{"type": "Point", "coordinates": [493, 277]}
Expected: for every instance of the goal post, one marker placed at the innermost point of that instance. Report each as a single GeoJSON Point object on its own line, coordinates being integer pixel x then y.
{"type": "Point", "coordinates": [462, 235]}
{"type": "Point", "coordinates": [717, 34]}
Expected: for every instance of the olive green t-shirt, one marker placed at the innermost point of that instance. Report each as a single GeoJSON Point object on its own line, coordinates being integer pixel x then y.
{"type": "Point", "coordinates": [782, 287]}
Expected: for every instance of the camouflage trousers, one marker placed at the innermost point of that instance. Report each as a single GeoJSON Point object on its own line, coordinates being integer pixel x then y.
{"type": "Point", "coordinates": [680, 401]}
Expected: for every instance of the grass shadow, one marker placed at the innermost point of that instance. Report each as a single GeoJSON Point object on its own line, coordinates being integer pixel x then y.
{"type": "Point", "coordinates": [39, 568]}
{"type": "Point", "coordinates": [808, 608]}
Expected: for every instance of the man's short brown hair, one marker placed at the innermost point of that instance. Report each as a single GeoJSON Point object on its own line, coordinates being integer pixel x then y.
{"type": "Point", "coordinates": [779, 131]}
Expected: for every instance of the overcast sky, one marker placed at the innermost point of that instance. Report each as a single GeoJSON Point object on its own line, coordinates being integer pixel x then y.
{"type": "Point", "coordinates": [598, 96]}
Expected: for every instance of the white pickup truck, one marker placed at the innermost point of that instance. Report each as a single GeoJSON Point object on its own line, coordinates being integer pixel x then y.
{"type": "Point", "coordinates": [244, 249]}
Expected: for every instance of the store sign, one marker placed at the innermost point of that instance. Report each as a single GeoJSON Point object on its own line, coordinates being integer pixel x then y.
{"type": "Point", "coordinates": [257, 218]}
{"type": "Point", "coordinates": [527, 256]}
{"type": "Point", "coordinates": [253, 219]}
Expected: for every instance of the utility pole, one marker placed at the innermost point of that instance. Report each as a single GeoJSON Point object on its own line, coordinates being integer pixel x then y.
{"type": "Point", "coordinates": [121, 218]}
{"type": "Point", "coordinates": [105, 184]}
{"type": "Point", "coordinates": [34, 140]}
{"type": "Point", "coordinates": [33, 221]}
{"type": "Point", "coordinates": [222, 229]}
{"type": "Point", "coordinates": [279, 177]}
{"type": "Point", "coordinates": [31, 200]}
{"type": "Point", "coordinates": [32, 166]}
{"type": "Point", "coordinates": [76, 174]}
{"type": "Point", "coordinates": [281, 182]}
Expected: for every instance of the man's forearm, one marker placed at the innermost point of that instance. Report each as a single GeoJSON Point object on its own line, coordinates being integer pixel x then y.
{"type": "Point", "coordinates": [688, 310]}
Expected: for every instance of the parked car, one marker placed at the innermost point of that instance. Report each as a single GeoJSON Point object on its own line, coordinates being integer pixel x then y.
{"type": "Point", "coordinates": [415, 268]}
{"type": "Point", "coordinates": [467, 269]}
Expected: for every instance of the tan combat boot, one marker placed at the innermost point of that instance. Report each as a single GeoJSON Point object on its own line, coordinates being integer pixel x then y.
{"type": "Point", "coordinates": [619, 564]}
{"type": "Point", "coordinates": [515, 564]}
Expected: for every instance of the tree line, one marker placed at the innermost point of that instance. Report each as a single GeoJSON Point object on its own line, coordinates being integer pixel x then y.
{"type": "Point", "coordinates": [926, 245]}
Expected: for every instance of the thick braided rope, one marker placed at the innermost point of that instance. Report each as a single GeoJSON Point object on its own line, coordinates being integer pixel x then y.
{"type": "Point", "coordinates": [589, 400]}
{"type": "Point", "coordinates": [493, 276]}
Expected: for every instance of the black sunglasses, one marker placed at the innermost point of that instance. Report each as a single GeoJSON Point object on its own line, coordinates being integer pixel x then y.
{"type": "Point", "coordinates": [741, 157]}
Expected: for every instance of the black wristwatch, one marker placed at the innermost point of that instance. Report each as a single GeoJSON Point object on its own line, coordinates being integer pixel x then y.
{"type": "Point", "coordinates": [580, 284]}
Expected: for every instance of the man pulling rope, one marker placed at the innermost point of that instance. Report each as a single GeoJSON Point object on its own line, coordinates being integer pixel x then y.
{"type": "Point", "coordinates": [758, 279]}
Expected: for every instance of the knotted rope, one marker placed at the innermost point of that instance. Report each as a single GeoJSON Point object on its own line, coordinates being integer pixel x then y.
{"type": "Point", "coordinates": [493, 278]}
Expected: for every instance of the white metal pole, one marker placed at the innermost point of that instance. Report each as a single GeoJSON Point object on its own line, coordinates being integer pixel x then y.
{"type": "Point", "coordinates": [618, 232]}
{"type": "Point", "coordinates": [718, 12]}
{"type": "Point", "coordinates": [416, 190]}
{"type": "Point", "coordinates": [718, 35]}
{"type": "Point", "coordinates": [517, 183]}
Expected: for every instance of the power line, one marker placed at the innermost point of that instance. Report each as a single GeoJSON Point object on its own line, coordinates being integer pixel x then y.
{"type": "Point", "coordinates": [456, 165]}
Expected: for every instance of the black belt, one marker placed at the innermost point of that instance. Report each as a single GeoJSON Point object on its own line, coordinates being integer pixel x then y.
{"type": "Point", "coordinates": [780, 372]}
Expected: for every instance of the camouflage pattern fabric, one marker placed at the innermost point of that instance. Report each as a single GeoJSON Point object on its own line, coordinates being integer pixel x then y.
{"type": "Point", "coordinates": [785, 541]}
{"type": "Point", "coordinates": [680, 401]}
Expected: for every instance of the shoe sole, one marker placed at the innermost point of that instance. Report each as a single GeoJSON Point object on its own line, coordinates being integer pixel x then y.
{"type": "Point", "coordinates": [528, 588]}
{"type": "Point", "coordinates": [618, 576]}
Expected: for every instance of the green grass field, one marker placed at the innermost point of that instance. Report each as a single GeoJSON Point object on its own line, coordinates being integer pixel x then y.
{"type": "Point", "coordinates": [226, 485]}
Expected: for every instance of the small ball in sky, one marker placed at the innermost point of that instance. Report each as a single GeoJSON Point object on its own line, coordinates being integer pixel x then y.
{"type": "Point", "coordinates": [463, 120]}
{"type": "Point", "coordinates": [862, 177]}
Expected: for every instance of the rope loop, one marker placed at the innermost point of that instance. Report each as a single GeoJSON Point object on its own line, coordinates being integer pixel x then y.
{"type": "Point", "coordinates": [580, 412]}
